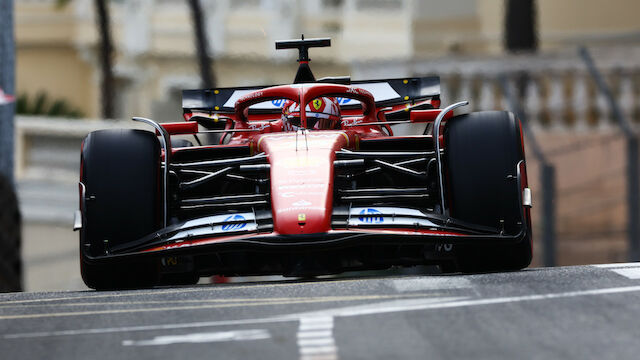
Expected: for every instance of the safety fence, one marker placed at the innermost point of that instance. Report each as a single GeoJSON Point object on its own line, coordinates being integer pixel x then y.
{"type": "Point", "coordinates": [583, 158]}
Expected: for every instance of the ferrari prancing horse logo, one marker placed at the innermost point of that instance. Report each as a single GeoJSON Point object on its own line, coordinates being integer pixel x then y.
{"type": "Point", "coordinates": [317, 104]}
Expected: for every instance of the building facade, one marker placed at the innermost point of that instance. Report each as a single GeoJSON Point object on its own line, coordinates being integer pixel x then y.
{"type": "Point", "coordinates": [154, 47]}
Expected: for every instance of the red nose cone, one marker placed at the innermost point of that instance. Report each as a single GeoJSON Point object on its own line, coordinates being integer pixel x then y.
{"type": "Point", "coordinates": [302, 179]}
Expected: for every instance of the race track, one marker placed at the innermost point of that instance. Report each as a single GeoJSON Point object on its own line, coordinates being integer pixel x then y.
{"type": "Point", "coordinates": [585, 312]}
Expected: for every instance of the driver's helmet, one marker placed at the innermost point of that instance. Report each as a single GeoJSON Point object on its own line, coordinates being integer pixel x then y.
{"type": "Point", "coordinates": [322, 113]}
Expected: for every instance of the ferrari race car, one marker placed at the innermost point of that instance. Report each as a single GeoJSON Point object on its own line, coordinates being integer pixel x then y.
{"type": "Point", "coordinates": [311, 178]}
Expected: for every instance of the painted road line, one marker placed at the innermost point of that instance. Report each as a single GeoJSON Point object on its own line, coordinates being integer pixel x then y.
{"type": "Point", "coordinates": [205, 301]}
{"type": "Point", "coordinates": [617, 265]}
{"type": "Point", "coordinates": [378, 308]}
{"type": "Point", "coordinates": [316, 342]}
{"type": "Point", "coordinates": [415, 304]}
{"type": "Point", "coordinates": [381, 307]}
{"type": "Point", "coordinates": [202, 288]}
{"type": "Point", "coordinates": [318, 357]}
{"type": "Point", "coordinates": [287, 301]}
{"type": "Point", "coordinates": [628, 270]}
{"type": "Point", "coordinates": [174, 326]}
{"type": "Point", "coordinates": [315, 338]}
{"type": "Point", "coordinates": [430, 283]}
{"type": "Point", "coordinates": [314, 334]}
{"type": "Point", "coordinates": [239, 335]}
{"type": "Point", "coordinates": [630, 273]}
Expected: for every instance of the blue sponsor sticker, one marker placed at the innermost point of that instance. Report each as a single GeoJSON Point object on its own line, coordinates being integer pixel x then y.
{"type": "Point", "coordinates": [278, 102]}
{"type": "Point", "coordinates": [343, 101]}
{"type": "Point", "coordinates": [236, 226]}
{"type": "Point", "coordinates": [375, 219]}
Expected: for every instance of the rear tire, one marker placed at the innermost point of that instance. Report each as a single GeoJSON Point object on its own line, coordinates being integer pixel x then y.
{"type": "Point", "coordinates": [121, 172]}
{"type": "Point", "coordinates": [482, 151]}
{"type": "Point", "coordinates": [10, 259]}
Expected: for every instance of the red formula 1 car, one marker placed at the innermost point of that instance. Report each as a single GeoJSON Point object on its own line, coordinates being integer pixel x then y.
{"type": "Point", "coordinates": [317, 177]}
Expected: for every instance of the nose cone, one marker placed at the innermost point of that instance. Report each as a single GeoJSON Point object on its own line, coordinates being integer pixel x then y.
{"type": "Point", "coordinates": [302, 179]}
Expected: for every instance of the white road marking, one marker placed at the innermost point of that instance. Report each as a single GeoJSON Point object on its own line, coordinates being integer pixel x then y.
{"type": "Point", "coordinates": [318, 357]}
{"type": "Point", "coordinates": [314, 334]}
{"type": "Point", "coordinates": [377, 308]}
{"type": "Point", "coordinates": [312, 326]}
{"type": "Point", "coordinates": [318, 350]}
{"type": "Point", "coordinates": [628, 270]}
{"type": "Point", "coordinates": [431, 283]}
{"type": "Point", "coordinates": [384, 307]}
{"type": "Point", "coordinates": [631, 273]}
{"type": "Point", "coordinates": [240, 335]}
{"type": "Point", "coordinates": [617, 265]}
{"type": "Point", "coordinates": [264, 302]}
{"type": "Point", "coordinates": [202, 289]}
{"type": "Point", "coordinates": [316, 342]}
{"type": "Point", "coordinates": [315, 338]}
{"type": "Point", "coordinates": [150, 327]}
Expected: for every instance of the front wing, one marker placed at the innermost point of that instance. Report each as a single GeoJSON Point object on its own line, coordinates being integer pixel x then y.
{"type": "Point", "coordinates": [371, 238]}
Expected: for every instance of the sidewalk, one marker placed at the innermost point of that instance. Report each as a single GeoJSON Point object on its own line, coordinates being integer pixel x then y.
{"type": "Point", "coordinates": [50, 257]}
{"type": "Point", "coordinates": [49, 245]}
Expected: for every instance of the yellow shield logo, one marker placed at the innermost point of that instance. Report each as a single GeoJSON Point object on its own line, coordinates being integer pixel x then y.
{"type": "Point", "coordinates": [317, 104]}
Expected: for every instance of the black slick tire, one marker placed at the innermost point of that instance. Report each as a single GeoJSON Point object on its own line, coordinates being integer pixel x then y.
{"type": "Point", "coordinates": [482, 151]}
{"type": "Point", "coordinates": [121, 172]}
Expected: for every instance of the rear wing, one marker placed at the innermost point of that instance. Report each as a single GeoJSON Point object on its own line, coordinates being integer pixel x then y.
{"type": "Point", "coordinates": [387, 92]}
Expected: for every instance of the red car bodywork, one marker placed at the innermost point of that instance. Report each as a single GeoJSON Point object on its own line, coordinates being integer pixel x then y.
{"type": "Point", "coordinates": [301, 218]}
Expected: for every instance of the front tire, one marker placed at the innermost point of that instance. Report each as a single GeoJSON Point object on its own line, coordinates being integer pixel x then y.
{"type": "Point", "coordinates": [121, 172]}
{"type": "Point", "coordinates": [483, 150]}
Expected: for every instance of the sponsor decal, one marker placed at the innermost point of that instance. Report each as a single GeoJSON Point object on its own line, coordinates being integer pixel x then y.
{"type": "Point", "coordinates": [348, 122]}
{"type": "Point", "coordinates": [258, 126]}
{"type": "Point", "coordinates": [290, 194]}
{"type": "Point", "coordinates": [444, 247]}
{"type": "Point", "coordinates": [297, 209]}
{"type": "Point", "coordinates": [301, 203]}
{"type": "Point", "coordinates": [374, 216]}
{"type": "Point", "coordinates": [278, 102]}
{"type": "Point", "coordinates": [381, 91]}
{"type": "Point", "coordinates": [250, 96]}
{"type": "Point", "coordinates": [317, 104]}
{"type": "Point", "coordinates": [301, 186]}
{"type": "Point", "coordinates": [343, 101]}
{"type": "Point", "coordinates": [169, 261]}
{"type": "Point", "coordinates": [236, 226]}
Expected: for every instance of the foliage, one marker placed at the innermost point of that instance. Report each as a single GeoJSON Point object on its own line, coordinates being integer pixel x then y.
{"type": "Point", "coordinates": [41, 105]}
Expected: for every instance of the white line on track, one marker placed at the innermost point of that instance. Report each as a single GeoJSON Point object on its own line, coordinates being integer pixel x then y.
{"type": "Point", "coordinates": [630, 273]}
{"type": "Point", "coordinates": [202, 305]}
{"type": "Point", "coordinates": [149, 327]}
{"type": "Point", "coordinates": [315, 338]}
{"type": "Point", "coordinates": [628, 270]}
{"type": "Point", "coordinates": [377, 308]}
{"type": "Point", "coordinates": [617, 265]}
{"type": "Point", "coordinates": [239, 335]}
{"type": "Point", "coordinates": [202, 289]}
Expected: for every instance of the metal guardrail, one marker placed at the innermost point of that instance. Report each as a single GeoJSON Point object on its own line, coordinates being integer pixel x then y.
{"type": "Point", "coordinates": [633, 167]}
{"type": "Point", "coordinates": [547, 177]}
{"type": "Point", "coordinates": [557, 90]}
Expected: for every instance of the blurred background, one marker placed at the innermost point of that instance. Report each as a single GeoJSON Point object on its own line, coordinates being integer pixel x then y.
{"type": "Point", "coordinates": [570, 69]}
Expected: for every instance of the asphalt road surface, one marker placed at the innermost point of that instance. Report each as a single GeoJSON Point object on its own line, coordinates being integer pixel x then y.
{"type": "Point", "coordinates": [585, 312]}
